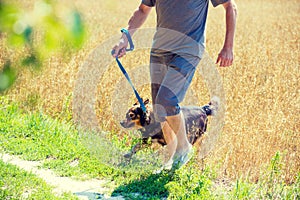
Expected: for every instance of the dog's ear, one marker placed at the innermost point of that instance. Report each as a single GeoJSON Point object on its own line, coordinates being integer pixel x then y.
{"type": "Point", "coordinates": [146, 101]}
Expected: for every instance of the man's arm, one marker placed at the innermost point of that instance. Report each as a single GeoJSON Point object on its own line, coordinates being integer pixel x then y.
{"type": "Point", "coordinates": [135, 22]}
{"type": "Point", "coordinates": [225, 57]}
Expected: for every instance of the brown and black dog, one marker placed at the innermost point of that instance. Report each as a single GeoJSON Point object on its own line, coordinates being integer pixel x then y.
{"type": "Point", "coordinates": [196, 119]}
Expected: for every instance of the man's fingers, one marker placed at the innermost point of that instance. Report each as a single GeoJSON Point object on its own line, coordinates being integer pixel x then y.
{"type": "Point", "coordinates": [225, 57]}
{"type": "Point", "coordinates": [218, 59]}
{"type": "Point", "coordinates": [118, 52]}
{"type": "Point", "coordinates": [115, 51]}
{"type": "Point", "coordinates": [122, 52]}
{"type": "Point", "coordinates": [223, 61]}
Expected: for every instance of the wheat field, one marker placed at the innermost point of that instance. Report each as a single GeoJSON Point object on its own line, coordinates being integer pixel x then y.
{"type": "Point", "coordinates": [262, 87]}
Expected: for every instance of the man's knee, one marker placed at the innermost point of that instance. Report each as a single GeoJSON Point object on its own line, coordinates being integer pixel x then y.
{"type": "Point", "coordinates": [163, 111]}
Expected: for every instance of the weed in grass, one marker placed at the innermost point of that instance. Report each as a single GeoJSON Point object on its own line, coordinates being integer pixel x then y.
{"type": "Point", "coordinates": [274, 187]}
{"type": "Point", "coordinates": [66, 113]}
{"type": "Point", "coordinates": [242, 190]}
{"type": "Point", "coordinates": [32, 102]}
{"type": "Point", "coordinates": [270, 186]}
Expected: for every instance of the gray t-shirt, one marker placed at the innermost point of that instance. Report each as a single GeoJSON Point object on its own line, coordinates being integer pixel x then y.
{"type": "Point", "coordinates": [180, 26]}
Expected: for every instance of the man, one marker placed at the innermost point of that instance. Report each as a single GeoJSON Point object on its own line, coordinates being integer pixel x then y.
{"type": "Point", "coordinates": [177, 48]}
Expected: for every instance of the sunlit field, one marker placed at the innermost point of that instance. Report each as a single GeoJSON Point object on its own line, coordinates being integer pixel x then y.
{"type": "Point", "coordinates": [262, 87]}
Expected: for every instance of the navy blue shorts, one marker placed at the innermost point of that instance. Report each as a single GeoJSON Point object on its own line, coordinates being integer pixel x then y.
{"type": "Point", "coordinates": [171, 75]}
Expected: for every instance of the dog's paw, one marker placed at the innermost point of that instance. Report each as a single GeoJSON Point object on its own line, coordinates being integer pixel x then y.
{"type": "Point", "coordinates": [128, 155]}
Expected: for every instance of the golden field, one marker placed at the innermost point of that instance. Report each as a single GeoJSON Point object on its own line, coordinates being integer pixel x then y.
{"type": "Point", "coordinates": [262, 87]}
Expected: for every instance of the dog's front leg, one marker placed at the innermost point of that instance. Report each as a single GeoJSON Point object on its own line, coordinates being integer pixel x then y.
{"type": "Point", "coordinates": [138, 146]}
{"type": "Point", "coordinates": [133, 150]}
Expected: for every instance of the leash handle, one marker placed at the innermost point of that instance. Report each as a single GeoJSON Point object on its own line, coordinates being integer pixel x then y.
{"type": "Point", "coordinates": [131, 48]}
{"type": "Point", "coordinates": [131, 45]}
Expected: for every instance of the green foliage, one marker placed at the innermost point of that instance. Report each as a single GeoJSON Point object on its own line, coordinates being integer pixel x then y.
{"type": "Point", "coordinates": [7, 76]}
{"type": "Point", "coordinates": [8, 24]}
{"type": "Point", "coordinates": [40, 32]}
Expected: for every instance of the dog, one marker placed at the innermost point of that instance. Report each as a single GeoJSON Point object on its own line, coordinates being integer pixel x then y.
{"type": "Point", "coordinates": [196, 119]}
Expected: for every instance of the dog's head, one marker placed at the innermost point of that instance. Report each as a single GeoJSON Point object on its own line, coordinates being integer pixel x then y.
{"type": "Point", "coordinates": [136, 118]}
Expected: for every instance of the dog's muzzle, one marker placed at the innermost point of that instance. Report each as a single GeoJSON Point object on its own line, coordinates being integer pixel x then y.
{"type": "Point", "coordinates": [127, 124]}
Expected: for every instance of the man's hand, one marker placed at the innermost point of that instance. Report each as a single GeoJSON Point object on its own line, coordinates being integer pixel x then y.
{"type": "Point", "coordinates": [135, 22]}
{"type": "Point", "coordinates": [225, 57]}
{"type": "Point", "coordinates": [120, 49]}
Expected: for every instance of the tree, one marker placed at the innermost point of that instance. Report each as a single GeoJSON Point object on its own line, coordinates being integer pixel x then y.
{"type": "Point", "coordinates": [39, 32]}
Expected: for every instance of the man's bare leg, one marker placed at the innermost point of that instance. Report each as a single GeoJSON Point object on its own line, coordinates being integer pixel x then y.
{"type": "Point", "coordinates": [171, 141]}
{"type": "Point", "coordinates": [177, 123]}
{"type": "Point", "coordinates": [178, 147]}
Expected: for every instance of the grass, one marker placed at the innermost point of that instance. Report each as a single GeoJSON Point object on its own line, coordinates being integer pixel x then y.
{"type": "Point", "coordinates": [36, 136]}
{"type": "Point", "coordinates": [18, 184]}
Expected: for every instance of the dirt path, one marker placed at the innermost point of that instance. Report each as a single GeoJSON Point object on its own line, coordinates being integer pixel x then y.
{"type": "Point", "coordinates": [89, 189]}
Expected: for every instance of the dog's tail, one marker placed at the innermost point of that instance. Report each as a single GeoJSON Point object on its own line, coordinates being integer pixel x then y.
{"type": "Point", "coordinates": [212, 107]}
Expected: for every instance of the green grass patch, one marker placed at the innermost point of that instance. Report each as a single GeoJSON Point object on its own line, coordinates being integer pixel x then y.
{"type": "Point", "coordinates": [59, 144]}
{"type": "Point", "coordinates": [19, 184]}
{"type": "Point", "coordinates": [185, 183]}
{"type": "Point", "coordinates": [35, 136]}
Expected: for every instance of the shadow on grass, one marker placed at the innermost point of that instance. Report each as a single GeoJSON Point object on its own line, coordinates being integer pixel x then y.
{"type": "Point", "coordinates": [150, 187]}
{"type": "Point", "coordinates": [89, 195]}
